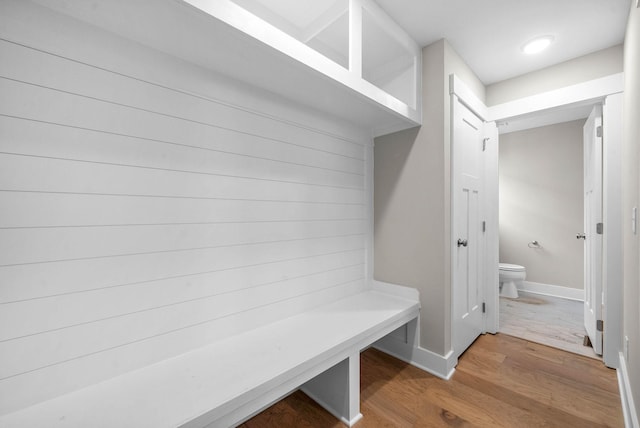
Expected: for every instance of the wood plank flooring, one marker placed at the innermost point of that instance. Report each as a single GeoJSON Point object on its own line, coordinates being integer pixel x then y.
{"type": "Point", "coordinates": [500, 381]}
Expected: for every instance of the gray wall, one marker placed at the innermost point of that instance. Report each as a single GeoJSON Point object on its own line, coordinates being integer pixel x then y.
{"type": "Point", "coordinates": [541, 186]}
{"type": "Point", "coordinates": [588, 67]}
{"type": "Point", "coordinates": [412, 199]}
{"type": "Point", "coordinates": [631, 197]}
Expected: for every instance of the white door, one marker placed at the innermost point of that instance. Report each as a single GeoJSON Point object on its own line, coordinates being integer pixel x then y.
{"type": "Point", "coordinates": [467, 194]}
{"type": "Point", "coordinates": [593, 228]}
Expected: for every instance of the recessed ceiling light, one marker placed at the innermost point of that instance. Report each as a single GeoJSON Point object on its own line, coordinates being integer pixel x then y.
{"type": "Point", "coordinates": [537, 45]}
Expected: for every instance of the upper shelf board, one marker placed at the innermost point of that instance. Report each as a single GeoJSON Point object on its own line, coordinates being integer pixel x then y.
{"type": "Point", "coordinates": [222, 36]}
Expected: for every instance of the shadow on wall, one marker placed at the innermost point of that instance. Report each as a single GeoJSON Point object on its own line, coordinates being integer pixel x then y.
{"type": "Point", "coordinates": [393, 171]}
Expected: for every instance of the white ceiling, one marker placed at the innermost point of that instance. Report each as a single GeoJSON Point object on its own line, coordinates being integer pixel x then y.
{"type": "Point", "coordinates": [488, 34]}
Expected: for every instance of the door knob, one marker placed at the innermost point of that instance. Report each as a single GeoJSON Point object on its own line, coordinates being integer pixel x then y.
{"type": "Point", "coordinates": [462, 242]}
{"type": "Point", "coordinates": [581, 236]}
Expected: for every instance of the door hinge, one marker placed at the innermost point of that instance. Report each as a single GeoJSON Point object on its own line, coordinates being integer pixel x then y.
{"type": "Point", "coordinates": [484, 143]}
{"type": "Point", "coordinates": [484, 307]}
{"type": "Point", "coordinates": [599, 131]}
{"type": "Point", "coordinates": [484, 226]}
{"type": "Point", "coordinates": [600, 325]}
{"type": "Point", "coordinates": [599, 228]}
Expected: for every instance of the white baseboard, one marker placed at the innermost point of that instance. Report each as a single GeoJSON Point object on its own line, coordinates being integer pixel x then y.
{"type": "Point", "coordinates": [552, 290]}
{"type": "Point", "coordinates": [628, 405]}
{"type": "Point", "coordinates": [436, 364]}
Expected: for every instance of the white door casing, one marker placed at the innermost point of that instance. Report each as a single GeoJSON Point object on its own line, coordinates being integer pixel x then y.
{"type": "Point", "coordinates": [593, 232]}
{"type": "Point", "coordinates": [491, 226]}
{"type": "Point", "coordinates": [612, 217]}
{"type": "Point", "coordinates": [467, 236]}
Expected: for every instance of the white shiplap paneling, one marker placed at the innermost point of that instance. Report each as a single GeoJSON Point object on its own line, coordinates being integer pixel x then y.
{"type": "Point", "coordinates": [143, 218]}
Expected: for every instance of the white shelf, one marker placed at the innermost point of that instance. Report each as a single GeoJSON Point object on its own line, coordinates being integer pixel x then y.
{"type": "Point", "coordinates": [221, 36]}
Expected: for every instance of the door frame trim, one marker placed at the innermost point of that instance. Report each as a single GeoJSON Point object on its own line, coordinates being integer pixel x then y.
{"type": "Point", "coordinates": [613, 218]}
{"type": "Point", "coordinates": [467, 97]}
{"type": "Point", "coordinates": [607, 90]}
{"type": "Point", "coordinates": [591, 90]}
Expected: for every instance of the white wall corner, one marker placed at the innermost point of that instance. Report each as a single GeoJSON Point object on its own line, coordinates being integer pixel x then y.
{"type": "Point", "coordinates": [397, 290]}
{"type": "Point", "coordinates": [628, 405]}
{"type": "Point", "coordinates": [369, 208]}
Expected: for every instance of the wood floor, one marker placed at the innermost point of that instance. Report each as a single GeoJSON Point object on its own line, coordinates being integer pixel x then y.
{"type": "Point", "coordinates": [500, 381]}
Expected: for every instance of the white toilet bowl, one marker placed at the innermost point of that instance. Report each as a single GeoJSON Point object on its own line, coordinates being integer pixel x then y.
{"type": "Point", "coordinates": [511, 276]}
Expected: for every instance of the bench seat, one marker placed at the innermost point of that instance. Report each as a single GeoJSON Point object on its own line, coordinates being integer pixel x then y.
{"type": "Point", "coordinates": [229, 381]}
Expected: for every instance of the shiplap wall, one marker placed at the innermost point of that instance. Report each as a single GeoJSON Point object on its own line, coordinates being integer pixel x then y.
{"type": "Point", "coordinates": [149, 207]}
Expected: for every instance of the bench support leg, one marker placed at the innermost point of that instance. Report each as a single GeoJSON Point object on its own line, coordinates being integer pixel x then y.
{"type": "Point", "coordinates": [338, 390]}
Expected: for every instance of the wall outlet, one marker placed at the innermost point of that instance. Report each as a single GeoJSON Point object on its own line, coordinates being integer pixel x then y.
{"type": "Point", "coordinates": [625, 349]}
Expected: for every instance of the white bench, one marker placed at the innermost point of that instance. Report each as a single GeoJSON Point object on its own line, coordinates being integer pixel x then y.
{"type": "Point", "coordinates": [227, 382]}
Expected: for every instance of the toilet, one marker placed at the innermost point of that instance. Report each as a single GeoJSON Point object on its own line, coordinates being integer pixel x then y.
{"type": "Point", "coordinates": [510, 277]}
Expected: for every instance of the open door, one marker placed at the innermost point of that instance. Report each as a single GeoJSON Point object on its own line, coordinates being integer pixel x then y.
{"type": "Point", "coordinates": [593, 228]}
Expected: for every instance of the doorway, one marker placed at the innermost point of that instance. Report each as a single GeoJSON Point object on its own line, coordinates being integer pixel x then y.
{"type": "Point", "coordinates": [541, 180]}
{"type": "Point", "coordinates": [608, 91]}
